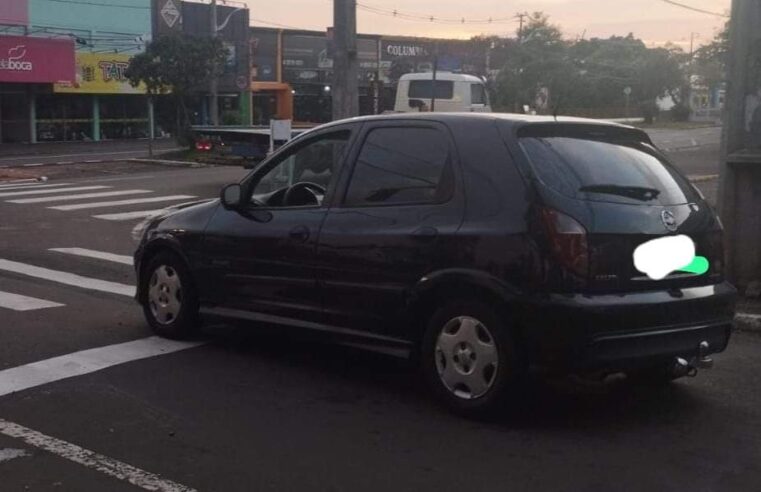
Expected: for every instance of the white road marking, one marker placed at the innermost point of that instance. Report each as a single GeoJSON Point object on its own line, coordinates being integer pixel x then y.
{"type": "Point", "coordinates": [84, 362]}
{"type": "Point", "coordinates": [36, 164]}
{"type": "Point", "coordinates": [83, 196]}
{"type": "Point", "coordinates": [90, 459]}
{"type": "Point", "coordinates": [129, 215]}
{"type": "Point", "coordinates": [118, 203]}
{"type": "Point", "coordinates": [67, 278]}
{"type": "Point", "coordinates": [57, 190]}
{"type": "Point", "coordinates": [8, 454]}
{"type": "Point", "coordinates": [28, 186]}
{"type": "Point", "coordinates": [100, 255]}
{"type": "Point", "coordinates": [18, 302]}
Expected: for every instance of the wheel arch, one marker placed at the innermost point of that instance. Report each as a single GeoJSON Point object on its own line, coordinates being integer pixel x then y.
{"type": "Point", "coordinates": [150, 250]}
{"type": "Point", "coordinates": [462, 284]}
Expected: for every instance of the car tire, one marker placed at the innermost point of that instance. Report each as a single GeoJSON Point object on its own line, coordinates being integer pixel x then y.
{"type": "Point", "coordinates": [470, 360]}
{"type": "Point", "coordinates": [171, 303]}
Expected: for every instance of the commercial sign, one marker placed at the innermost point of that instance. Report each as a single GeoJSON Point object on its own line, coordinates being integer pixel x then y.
{"type": "Point", "coordinates": [307, 58]}
{"type": "Point", "coordinates": [404, 55]}
{"type": "Point", "coordinates": [101, 74]}
{"type": "Point", "coordinates": [14, 12]}
{"type": "Point", "coordinates": [167, 17]}
{"type": "Point", "coordinates": [36, 60]}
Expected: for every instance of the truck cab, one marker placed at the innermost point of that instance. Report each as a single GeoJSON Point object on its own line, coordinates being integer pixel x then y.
{"type": "Point", "coordinates": [454, 92]}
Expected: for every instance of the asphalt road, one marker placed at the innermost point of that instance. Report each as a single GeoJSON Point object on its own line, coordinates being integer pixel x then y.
{"type": "Point", "coordinates": [261, 409]}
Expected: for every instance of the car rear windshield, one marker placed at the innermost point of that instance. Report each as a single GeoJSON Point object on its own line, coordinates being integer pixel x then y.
{"type": "Point", "coordinates": [422, 89]}
{"type": "Point", "coordinates": [620, 170]}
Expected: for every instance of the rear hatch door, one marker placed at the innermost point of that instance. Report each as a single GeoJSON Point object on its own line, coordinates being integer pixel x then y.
{"type": "Point", "coordinates": [615, 183]}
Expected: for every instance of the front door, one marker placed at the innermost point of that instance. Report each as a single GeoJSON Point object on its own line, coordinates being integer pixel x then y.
{"type": "Point", "coordinates": [261, 258]}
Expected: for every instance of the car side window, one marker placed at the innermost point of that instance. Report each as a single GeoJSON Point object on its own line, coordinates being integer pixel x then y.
{"type": "Point", "coordinates": [477, 94]}
{"type": "Point", "coordinates": [315, 162]}
{"type": "Point", "coordinates": [401, 166]}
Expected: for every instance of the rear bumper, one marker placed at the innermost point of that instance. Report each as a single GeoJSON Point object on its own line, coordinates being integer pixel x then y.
{"type": "Point", "coordinates": [628, 330]}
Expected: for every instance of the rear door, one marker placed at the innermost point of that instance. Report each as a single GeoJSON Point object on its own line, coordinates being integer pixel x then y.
{"type": "Point", "coordinates": [624, 192]}
{"type": "Point", "coordinates": [392, 225]}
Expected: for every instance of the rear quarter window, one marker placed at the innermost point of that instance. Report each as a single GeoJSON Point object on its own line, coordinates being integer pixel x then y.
{"type": "Point", "coordinates": [608, 170]}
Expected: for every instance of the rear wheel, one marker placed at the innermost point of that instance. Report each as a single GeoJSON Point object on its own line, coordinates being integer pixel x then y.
{"type": "Point", "coordinates": [469, 358]}
{"type": "Point", "coordinates": [171, 304]}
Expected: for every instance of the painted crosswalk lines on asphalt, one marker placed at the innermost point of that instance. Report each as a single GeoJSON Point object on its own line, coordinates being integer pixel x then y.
{"type": "Point", "coordinates": [118, 203]}
{"type": "Point", "coordinates": [16, 302]}
{"type": "Point", "coordinates": [83, 196]}
{"type": "Point", "coordinates": [66, 278]}
{"type": "Point", "coordinates": [141, 214]}
{"type": "Point", "coordinates": [50, 191]}
{"type": "Point", "coordinates": [28, 186]}
{"type": "Point", "coordinates": [99, 255]}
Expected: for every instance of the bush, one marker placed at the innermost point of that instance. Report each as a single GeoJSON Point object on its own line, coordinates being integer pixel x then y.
{"type": "Point", "coordinates": [680, 112]}
{"type": "Point", "coordinates": [231, 118]}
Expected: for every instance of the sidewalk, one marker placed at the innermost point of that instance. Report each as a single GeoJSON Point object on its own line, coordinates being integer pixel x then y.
{"type": "Point", "coordinates": [78, 148]}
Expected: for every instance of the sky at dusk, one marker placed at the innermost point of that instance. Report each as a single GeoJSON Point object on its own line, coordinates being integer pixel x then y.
{"type": "Point", "coordinates": [654, 21]}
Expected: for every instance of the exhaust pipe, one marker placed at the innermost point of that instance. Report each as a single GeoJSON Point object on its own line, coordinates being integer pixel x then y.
{"type": "Point", "coordinates": [682, 367]}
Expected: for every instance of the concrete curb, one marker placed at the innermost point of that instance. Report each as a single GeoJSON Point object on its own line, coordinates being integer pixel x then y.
{"type": "Point", "coordinates": [748, 322]}
{"type": "Point", "coordinates": [41, 179]}
{"type": "Point", "coordinates": [704, 178]}
{"type": "Point", "coordinates": [164, 162]}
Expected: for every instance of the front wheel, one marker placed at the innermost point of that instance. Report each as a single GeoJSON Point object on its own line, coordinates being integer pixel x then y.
{"type": "Point", "coordinates": [469, 358]}
{"type": "Point", "coordinates": [170, 305]}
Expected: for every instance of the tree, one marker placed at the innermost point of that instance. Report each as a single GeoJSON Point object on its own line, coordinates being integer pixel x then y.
{"type": "Point", "coordinates": [180, 66]}
{"type": "Point", "coordinates": [711, 60]}
{"type": "Point", "coordinates": [584, 76]}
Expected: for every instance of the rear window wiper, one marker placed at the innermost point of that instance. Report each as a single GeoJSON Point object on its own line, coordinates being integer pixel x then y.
{"type": "Point", "coordinates": [634, 192]}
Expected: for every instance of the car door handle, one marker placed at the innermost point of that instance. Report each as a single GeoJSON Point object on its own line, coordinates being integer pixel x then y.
{"type": "Point", "coordinates": [300, 233]}
{"type": "Point", "coordinates": [425, 234]}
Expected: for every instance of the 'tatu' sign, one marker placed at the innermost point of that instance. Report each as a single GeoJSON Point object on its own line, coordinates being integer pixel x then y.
{"type": "Point", "coordinates": [36, 60]}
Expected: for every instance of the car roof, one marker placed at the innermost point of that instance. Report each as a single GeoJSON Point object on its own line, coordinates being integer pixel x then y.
{"type": "Point", "coordinates": [511, 119]}
{"type": "Point", "coordinates": [461, 77]}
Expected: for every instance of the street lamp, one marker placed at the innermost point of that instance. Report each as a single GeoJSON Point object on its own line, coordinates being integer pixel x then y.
{"type": "Point", "coordinates": [214, 84]}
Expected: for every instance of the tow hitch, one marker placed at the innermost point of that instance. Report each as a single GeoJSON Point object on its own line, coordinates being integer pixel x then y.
{"type": "Point", "coordinates": [683, 367]}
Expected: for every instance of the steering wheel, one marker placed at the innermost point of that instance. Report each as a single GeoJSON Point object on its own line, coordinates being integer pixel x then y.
{"type": "Point", "coordinates": [313, 188]}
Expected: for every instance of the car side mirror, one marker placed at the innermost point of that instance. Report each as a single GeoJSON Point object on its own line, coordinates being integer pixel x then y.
{"type": "Point", "coordinates": [232, 197]}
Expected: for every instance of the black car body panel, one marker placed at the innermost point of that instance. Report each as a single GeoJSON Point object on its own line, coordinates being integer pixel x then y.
{"type": "Point", "coordinates": [369, 272]}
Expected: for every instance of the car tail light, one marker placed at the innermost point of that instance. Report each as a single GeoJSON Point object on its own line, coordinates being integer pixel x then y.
{"type": "Point", "coordinates": [568, 241]}
{"type": "Point", "coordinates": [203, 145]}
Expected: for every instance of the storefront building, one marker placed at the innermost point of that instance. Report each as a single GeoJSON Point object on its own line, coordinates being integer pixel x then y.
{"type": "Point", "coordinates": [234, 96]}
{"type": "Point", "coordinates": [63, 78]}
{"type": "Point", "coordinates": [300, 63]}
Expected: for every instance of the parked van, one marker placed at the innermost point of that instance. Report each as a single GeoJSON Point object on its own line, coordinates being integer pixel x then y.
{"type": "Point", "coordinates": [455, 92]}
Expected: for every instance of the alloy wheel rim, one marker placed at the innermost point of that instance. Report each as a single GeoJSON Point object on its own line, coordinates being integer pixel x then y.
{"type": "Point", "coordinates": [165, 294]}
{"type": "Point", "coordinates": [466, 357]}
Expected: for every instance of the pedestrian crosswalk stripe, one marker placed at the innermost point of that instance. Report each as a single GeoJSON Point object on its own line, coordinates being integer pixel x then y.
{"type": "Point", "coordinates": [47, 191]}
{"type": "Point", "coordinates": [18, 302]}
{"type": "Point", "coordinates": [100, 255]}
{"type": "Point", "coordinates": [28, 186]}
{"type": "Point", "coordinates": [118, 203]}
{"type": "Point", "coordinates": [83, 196]}
{"type": "Point", "coordinates": [130, 215]}
{"type": "Point", "coordinates": [67, 278]}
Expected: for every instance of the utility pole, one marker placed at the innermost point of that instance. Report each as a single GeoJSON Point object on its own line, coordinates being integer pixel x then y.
{"type": "Point", "coordinates": [520, 16]}
{"type": "Point", "coordinates": [345, 67]}
{"type": "Point", "coordinates": [740, 180]}
{"type": "Point", "coordinates": [691, 69]}
{"type": "Point", "coordinates": [434, 75]}
{"type": "Point", "coordinates": [214, 84]}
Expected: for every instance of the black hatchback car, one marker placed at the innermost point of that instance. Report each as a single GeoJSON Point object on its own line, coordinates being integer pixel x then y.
{"type": "Point", "coordinates": [481, 244]}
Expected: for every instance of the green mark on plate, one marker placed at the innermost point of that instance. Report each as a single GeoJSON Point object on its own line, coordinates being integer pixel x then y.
{"type": "Point", "coordinates": [699, 266]}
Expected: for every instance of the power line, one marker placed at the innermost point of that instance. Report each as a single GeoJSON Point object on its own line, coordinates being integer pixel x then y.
{"type": "Point", "coordinates": [694, 9]}
{"type": "Point", "coordinates": [277, 24]}
{"type": "Point", "coordinates": [429, 18]}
